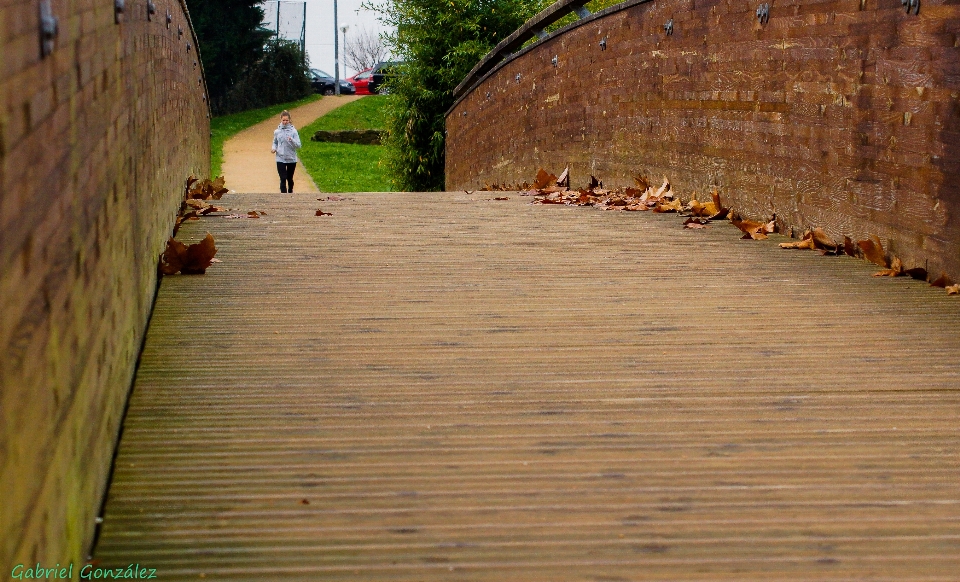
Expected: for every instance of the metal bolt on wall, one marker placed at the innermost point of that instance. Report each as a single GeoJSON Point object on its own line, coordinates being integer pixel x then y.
{"type": "Point", "coordinates": [763, 13]}
{"type": "Point", "coordinates": [49, 28]}
{"type": "Point", "coordinates": [911, 5]}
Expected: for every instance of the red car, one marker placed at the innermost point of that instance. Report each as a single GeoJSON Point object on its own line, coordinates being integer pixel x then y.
{"type": "Point", "coordinates": [362, 81]}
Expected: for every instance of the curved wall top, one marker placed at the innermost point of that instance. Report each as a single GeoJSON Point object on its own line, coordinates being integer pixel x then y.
{"type": "Point", "coordinates": [103, 114]}
{"type": "Point", "coordinates": [842, 114]}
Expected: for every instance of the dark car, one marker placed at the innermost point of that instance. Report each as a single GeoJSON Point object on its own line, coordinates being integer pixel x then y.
{"type": "Point", "coordinates": [324, 84]}
{"type": "Point", "coordinates": [381, 73]}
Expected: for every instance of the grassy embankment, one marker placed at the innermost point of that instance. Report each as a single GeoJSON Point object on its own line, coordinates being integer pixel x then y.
{"type": "Point", "coordinates": [342, 167]}
{"type": "Point", "coordinates": [224, 127]}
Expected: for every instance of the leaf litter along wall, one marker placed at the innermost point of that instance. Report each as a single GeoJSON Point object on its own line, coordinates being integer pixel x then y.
{"type": "Point", "coordinates": [842, 116]}
{"type": "Point", "coordinates": [103, 115]}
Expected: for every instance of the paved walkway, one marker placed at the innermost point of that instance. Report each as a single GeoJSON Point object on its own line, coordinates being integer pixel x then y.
{"type": "Point", "coordinates": [247, 162]}
{"type": "Point", "coordinates": [446, 387]}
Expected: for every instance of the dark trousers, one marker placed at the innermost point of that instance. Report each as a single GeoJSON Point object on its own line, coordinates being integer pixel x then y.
{"type": "Point", "coordinates": [286, 176]}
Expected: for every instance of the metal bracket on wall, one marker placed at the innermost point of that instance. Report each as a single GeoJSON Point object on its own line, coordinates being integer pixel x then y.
{"type": "Point", "coordinates": [668, 27]}
{"type": "Point", "coordinates": [603, 43]}
{"type": "Point", "coordinates": [49, 28]}
{"type": "Point", "coordinates": [169, 18]}
{"type": "Point", "coordinates": [179, 31]}
{"type": "Point", "coordinates": [188, 47]}
{"type": "Point", "coordinates": [151, 10]}
{"type": "Point", "coordinates": [118, 6]}
{"type": "Point", "coordinates": [518, 77]}
{"type": "Point", "coordinates": [911, 5]}
{"type": "Point", "coordinates": [555, 61]}
{"type": "Point", "coordinates": [763, 13]}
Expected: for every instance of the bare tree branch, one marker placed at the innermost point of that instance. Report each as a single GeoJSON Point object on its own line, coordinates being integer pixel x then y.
{"type": "Point", "coordinates": [363, 50]}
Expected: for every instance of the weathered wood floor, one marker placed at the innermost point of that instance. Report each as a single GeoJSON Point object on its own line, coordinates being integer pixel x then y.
{"type": "Point", "coordinates": [443, 387]}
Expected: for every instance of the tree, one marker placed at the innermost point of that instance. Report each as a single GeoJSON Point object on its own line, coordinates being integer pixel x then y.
{"type": "Point", "coordinates": [439, 41]}
{"type": "Point", "coordinates": [363, 50]}
{"type": "Point", "coordinates": [230, 39]}
{"type": "Point", "coordinates": [281, 74]}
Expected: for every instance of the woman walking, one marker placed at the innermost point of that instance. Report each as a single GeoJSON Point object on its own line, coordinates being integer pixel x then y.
{"type": "Point", "coordinates": [286, 142]}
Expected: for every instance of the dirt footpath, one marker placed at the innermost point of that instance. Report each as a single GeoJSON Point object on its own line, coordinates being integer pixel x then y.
{"type": "Point", "coordinates": [248, 164]}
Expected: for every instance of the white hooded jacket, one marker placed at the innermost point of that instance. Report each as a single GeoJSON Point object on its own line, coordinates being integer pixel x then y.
{"type": "Point", "coordinates": [286, 151]}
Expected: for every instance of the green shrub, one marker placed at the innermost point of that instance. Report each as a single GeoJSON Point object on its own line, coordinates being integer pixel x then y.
{"type": "Point", "coordinates": [439, 41]}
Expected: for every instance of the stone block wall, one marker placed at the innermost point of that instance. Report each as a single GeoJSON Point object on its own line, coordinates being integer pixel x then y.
{"type": "Point", "coordinates": [96, 139]}
{"type": "Point", "coordinates": [843, 114]}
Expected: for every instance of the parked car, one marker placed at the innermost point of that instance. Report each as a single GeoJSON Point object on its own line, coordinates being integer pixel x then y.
{"type": "Point", "coordinates": [324, 84]}
{"type": "Point", "coordinates": [379, 74]}
{"type": "Point", "coordinates": [361, 81]}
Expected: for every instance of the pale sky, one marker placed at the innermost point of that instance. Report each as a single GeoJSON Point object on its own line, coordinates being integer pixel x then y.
{"type": "Point", "coordinates": [319, 33]}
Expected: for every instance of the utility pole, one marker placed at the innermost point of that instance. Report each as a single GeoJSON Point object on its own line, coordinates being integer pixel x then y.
{"type": "Point", "coordinates": [336, 51]}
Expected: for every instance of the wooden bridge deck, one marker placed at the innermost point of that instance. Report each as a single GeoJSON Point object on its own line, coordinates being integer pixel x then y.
{"type": "Point", "coordinates": [447, 387]}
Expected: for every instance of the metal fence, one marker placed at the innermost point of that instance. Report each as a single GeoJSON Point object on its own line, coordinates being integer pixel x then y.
{"type": "Point", "coordinates": [286, 20]}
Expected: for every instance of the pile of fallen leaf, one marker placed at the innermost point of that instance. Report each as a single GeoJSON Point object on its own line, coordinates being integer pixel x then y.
{"type": "Point", "coordinates": [196, 193]}
{"type": "Point", "coordinates": [193, 259]}
{"type": "Point", "coordinates": [550, 189]}
{"type": "Point", "coordinates": [871, 250]}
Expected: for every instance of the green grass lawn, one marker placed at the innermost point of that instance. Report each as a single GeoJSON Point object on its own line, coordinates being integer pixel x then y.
{"type": "Point", "coordinates": [224, 127]}
{"type": "Point", "coordinates": [341, 167]}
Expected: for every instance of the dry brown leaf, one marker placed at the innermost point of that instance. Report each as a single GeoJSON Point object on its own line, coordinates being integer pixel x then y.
{"type": "Point", "coordinates": [895, 270]}
{"type": "Point", "coordinates": [199, 256]}
{"type": "Point", "coordinates": [696, 223]}
{"type": "Point", "coordinates": [823, 240]}
{"type": "Point", "coordinates": [322, 213]}
{"type": "Point", "coordinates": [953, 289]}
{"type": "Point", "coordinates": [873, 251]}
{"type": "Point", "coordinates": [849, 248]}
{"type": "Point", "coordinates": [564, 179]}
{"type": "Point", "coordinates": [807, 242]}
{"type": "Point", "coordinates": [544, 179]}
{"type": "Point", "coordinates": [641, 181]}
{"type": "Point", "coordinates": [664, 188]}
{"type": "Point", "coordinates": [172, 259]}
{"type": "Point", "coordinates": [548, 201]}
{"type": "Point", "coordinates": [672, 206]}
{"type": "Point", "coordinates": [253, 214]}
{"type": "Point", "coordinates": [502, 198]}
{"type": "Point", "coordinates": [941, 281]}
{"type": "Point", "coordinates": [721, 211]}
{"type": "Point", "coordinates": [751, 228]}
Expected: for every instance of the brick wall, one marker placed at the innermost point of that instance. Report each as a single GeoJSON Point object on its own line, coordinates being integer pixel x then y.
{"type": "Point", "coordinates": [841, 114]}
{"type": "Point", "coordinates": [95, 142]}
